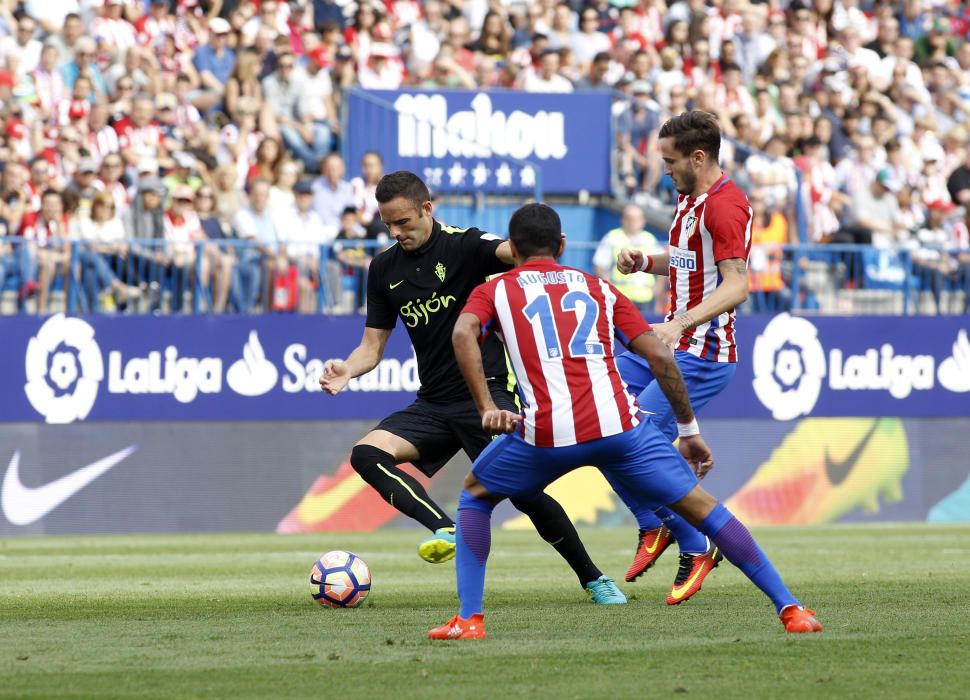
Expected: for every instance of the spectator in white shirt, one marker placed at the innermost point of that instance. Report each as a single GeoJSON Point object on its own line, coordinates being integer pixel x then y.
{"type": "Point", "coordinates": [302, 233]}
{"type": "Point", "coordinates": [547, 78]}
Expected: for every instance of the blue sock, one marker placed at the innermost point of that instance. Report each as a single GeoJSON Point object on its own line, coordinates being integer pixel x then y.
{"type": "Point", "coordinates": [474, 540]}
{"type": "Point", "coordinates": [689, 539]}
{"type": "Point", "coordinates": [736, 543]}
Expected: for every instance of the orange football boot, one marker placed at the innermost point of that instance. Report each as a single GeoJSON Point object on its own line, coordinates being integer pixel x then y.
{"type": "Point", "coordinates": [460, 628]}
{"type": "Point", "coordinates": [650, 545]}
{"type": "Point", "coordinates": [694, 568]}
{"type": "Point", "coordinates": [799, 620]}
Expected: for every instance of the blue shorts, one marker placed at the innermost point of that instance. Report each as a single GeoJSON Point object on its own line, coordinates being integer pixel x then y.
{"type": "Point", "coordinates": [643, 460]}
{"type": "Point", "coordinates": [704, 380]}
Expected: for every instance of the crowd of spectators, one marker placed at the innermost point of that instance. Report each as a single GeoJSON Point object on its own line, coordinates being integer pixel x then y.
{"type": "Point", "coordinates": [192, 124]}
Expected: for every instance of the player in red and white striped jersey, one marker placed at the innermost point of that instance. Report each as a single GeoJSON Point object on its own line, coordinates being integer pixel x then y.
{"type": "Point", "coordinates": [557, 324]}
{"type": "Point", "coordinates": [710, 238]}
{"type": "Point", "coordinates": [561, 358]}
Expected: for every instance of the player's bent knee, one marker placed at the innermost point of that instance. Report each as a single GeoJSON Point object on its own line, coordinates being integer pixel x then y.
{"type": "Point", "coordinates": [695, 506]}
{"type": "Point", "coordinates": [473, 486]}
{"type": "Point", "coordinates": [366, 458]}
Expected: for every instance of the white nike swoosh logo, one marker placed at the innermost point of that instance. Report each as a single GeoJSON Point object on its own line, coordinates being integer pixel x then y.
{"type": "Point", "coordinates": [23, 505]}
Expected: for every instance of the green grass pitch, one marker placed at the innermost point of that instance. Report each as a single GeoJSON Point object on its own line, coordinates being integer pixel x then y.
{"type": "Point", "coordinates": [231, 616]}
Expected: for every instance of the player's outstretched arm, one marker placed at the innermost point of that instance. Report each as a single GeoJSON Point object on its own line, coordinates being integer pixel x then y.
{"type": "Point", "coordinates": [692, 446]}
{"type": "Point", "coordinates": [630, 260]}
{"type": "Point", "coordinates": [732, 290]}
{"type": "Point", "coordinates": [364, 358]}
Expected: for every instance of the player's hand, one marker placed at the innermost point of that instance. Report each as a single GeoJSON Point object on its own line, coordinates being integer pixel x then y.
{"type": "Point", "coordinates": [496, 421]}
{"type": "Point", "coordinates": [669, 333]}
{"type": "Point", "coordinates": [697, 454]}
{"type": "Point", "coordinates": [629, 261]}
{"type": "Point", "coordinates": [335, 376]}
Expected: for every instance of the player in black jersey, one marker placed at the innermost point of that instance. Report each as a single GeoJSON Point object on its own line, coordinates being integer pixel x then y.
{"type": "Point", "coordinates": [425, 280]}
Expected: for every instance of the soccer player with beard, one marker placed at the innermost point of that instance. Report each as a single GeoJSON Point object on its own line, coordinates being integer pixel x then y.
{"type": "Point", "coordinates": [710, 239]}
{"type": "Point", "coordinates": [425, 280]}
{"type": "Point", "coordinates": [557, 324]}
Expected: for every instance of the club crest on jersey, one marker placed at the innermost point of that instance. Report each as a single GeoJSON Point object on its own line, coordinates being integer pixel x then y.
{"type": "Point", "coordinates": [683, 259]}
{"type": "Point", "coordinates": [689, 224]}
{"type": "Point", "coordinates": [439, 270]}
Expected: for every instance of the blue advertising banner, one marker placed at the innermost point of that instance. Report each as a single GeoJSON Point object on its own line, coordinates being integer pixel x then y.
{"type": "Point", "coordinates": [68, 369]}
{"type": "Point", "coordinates": [467, 141]}
{"type": "Point", "coordinates": [792, 367]}
{"type": "Point", "coordinates": [64, 370]}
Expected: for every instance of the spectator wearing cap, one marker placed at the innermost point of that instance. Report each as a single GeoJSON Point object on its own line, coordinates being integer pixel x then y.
{"type": "Point", "coordinates": [85, 186]}
{"type": "Point", "coordinates": [144, 220]}
{"type": "Point", "coordinates": [937, 44]}
{"type": "Point", "coordinates": [19, 139]}
{"type": "Point", "coordinates": [83, 64]}
{"type": "Point", "coordinates": [546, 78]}
{"type": "Point", "coordinates": [384, 70]}
{"type": "Point", "coordinates": [303, 233]}
{"type": "Point", "coordinates": [21, 48]}
{"type": "Point", "coordinates": [319, 98]}
{"type": "Point", "coordinates": [873, 215]}
{"type": "Point", "coordinates": [214, 63]}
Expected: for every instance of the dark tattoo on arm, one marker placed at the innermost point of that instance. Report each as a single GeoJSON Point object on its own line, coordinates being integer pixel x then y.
{"type": "Point", "coordinates": [671, 382]}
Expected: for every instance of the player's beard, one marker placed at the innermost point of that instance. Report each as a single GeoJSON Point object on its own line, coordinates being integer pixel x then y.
{"type": "Point", "coordinates": [688, 182]}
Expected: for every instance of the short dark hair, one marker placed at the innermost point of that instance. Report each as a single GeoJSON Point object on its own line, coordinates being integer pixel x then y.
{"type": "Point", "coordinates": [402, 183]}
{"type": "Point", "coordinates": [692, 130]}
{"type": "Point", "coordinates": [535, 229]}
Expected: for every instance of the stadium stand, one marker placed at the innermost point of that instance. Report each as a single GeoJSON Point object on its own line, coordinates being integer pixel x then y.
{"type": "Point", "coordinates": [846, 122]}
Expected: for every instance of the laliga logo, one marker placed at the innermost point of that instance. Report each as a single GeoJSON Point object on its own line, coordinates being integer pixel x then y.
{"type": "Point", "coordinates": [63, 367]}
{"type": "Point", "coordinates": [789, 364]}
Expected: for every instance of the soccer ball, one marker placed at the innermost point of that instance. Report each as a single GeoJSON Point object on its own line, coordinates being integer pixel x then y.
{"type": "Point", "coordinates": [339, 579]}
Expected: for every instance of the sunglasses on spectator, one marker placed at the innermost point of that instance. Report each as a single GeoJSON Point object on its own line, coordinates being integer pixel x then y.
{"type": "Point", "coordinates": [204, 195]}
{"type": "Point", "coordinates": [126, 86]}
{"type": "Point", "coordinates": [183, 200]}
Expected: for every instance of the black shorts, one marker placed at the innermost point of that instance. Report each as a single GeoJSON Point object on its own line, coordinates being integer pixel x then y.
{"type": "Point", "coordinates": [439, 430]}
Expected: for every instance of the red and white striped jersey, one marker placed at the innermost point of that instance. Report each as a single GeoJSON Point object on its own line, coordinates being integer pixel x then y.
{"type": "Point", "coordinates": [713, 227]}
{"type": "Point", "coordinates": [558, 324]}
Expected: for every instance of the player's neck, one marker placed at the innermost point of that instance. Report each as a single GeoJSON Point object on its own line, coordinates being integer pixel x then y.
{"type": "Point", "coordinates": [537, 258]}
{"type": "Point", "coordinates": [705, 180]}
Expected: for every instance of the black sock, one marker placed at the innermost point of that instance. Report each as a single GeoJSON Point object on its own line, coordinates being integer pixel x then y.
{"type": "Point", "coordinates": [397, 487]}
{"type": "Point", "coordinates": [555, 528]}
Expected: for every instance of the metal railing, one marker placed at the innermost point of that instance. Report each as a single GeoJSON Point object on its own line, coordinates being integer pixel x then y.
{"type": "Point", "coordinates": [228, 276]}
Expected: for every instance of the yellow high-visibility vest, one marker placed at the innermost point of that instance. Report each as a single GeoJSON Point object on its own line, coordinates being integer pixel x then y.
{"type": "Point", "coordinates": [636, 287]}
